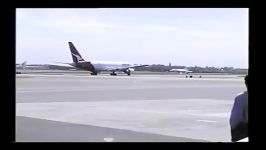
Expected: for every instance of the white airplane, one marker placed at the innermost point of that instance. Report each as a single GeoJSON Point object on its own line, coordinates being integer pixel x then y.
{"type": "Point", "coordinates": [21, 66]}
{"type": "Point", "coordinates": [98, 66]}
{"type": "Point", "coordinates": [24, 66]}
{"type": "Point", "coordinates": [181, 70]}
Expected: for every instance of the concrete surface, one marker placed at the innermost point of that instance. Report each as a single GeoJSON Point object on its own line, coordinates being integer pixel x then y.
{"type": "Point", "coordinates": [155, 108]}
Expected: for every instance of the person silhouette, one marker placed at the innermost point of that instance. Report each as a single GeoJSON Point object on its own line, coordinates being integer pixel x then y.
{"type": "Point", "coordinates": [239, 116]}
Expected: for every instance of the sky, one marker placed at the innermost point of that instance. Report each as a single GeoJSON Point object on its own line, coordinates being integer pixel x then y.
{"type": "Point", "coordinates": [215, 37]}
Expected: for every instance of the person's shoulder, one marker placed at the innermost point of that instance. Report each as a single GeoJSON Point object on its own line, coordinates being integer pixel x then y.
{"type": "Point", "coordinates": [240, 95]}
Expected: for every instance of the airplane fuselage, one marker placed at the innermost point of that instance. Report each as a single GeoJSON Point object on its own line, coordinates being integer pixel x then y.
{"type": "Point", "coordinates": [96, 66]}
{"type": "Point", "coordinates": [180, 71]}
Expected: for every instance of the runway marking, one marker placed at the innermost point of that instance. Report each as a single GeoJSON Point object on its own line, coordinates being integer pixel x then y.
{"type": "Point", "coordinates": [108, 139]}
{"type": "Point", "coordinates": [217, 115]}
{"type": "Point", "coordinates": [72, 89]}
{"type": "Point", "coordinates": [206, 120]}
{"type": "Point", "coordinates": [159, 112]}
{"type": "Point", "coordinates": [244, 140]}
{"type": "Point", "coordinates": [122, 76]}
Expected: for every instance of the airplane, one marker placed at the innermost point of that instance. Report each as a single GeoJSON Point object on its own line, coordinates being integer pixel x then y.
{"type": "Point", "coordinates": [180, 70]}
{"type": "Point", "coordinates": [25, 66]}
{"type": "Point", "coordinates": [96, 67]}
{"type": "Point", "coordinates": [22, 65]}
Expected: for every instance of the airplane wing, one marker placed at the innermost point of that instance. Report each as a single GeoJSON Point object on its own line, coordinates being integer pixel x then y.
{"type": "Point", "coordinates": [123, 68]}
{"type": "Point", "coordinates": [60, 64]}
{"type": "Point", "coordinates": [137, 66]}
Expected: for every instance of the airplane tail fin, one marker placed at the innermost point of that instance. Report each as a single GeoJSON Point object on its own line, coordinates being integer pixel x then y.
{"type": "Point", "coordinates": [23, 65]}
{"type": "Point", "coordinates": [75, 54]}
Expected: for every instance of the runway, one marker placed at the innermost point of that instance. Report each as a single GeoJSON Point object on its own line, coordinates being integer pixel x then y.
{"type": "Point", "coordinates": [137, 108]}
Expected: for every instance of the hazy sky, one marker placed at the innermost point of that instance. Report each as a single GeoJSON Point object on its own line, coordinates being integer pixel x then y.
{"type": "Point", "coordinates": [183, 36]}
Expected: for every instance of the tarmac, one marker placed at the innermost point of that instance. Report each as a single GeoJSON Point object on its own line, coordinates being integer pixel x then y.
{"type": "Point", "coordinates": [138, 108]}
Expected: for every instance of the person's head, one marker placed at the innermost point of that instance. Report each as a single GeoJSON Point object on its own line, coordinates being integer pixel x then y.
{"type": "Point", "coordinates": [246, 80]}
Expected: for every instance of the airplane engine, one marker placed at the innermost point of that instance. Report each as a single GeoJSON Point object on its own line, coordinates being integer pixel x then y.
{"type": "Point", "coordinates": [128, 71]}
{"type": "Point", "coordinates": [131, 69]}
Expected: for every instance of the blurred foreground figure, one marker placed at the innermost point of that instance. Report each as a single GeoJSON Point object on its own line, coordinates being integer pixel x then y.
{"type": "Point", "coordinates": [239, 116]}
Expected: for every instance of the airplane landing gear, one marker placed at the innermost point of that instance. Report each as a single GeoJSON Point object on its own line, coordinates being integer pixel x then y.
{"type": "Point", "coordinates": [128, 72]}
{"type": "Point", "coordinates": [113, 74]}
